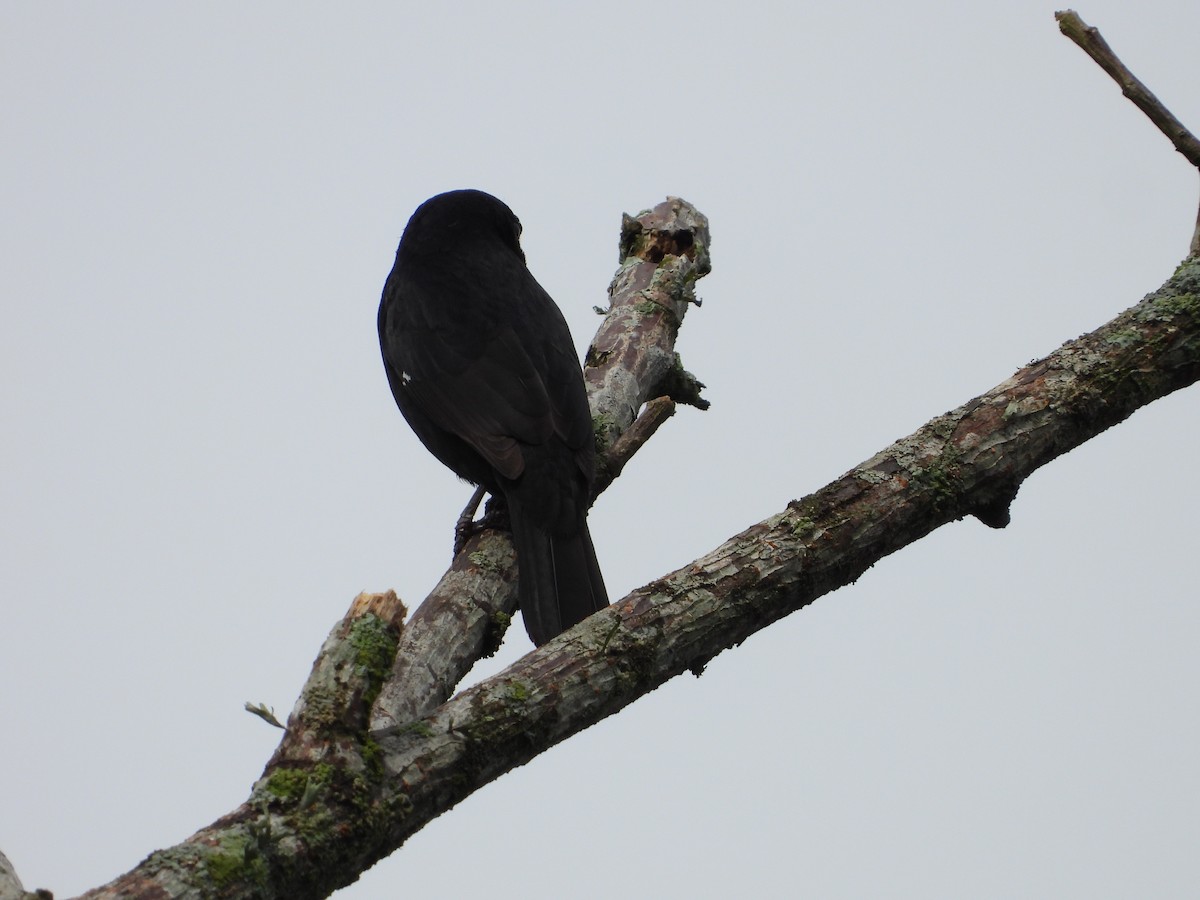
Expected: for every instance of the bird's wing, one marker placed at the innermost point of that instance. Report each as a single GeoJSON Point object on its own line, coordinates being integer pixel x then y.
{"type": "Point", "coordinates": [490, 396]}
{"type": "Point", "coordinates": [571, 415]}
{"type": "Point", "coordinates": [543, 329]}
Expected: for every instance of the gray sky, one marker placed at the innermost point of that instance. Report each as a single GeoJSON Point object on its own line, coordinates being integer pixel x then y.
{"type": "Point", "coordinates": [203, 463]}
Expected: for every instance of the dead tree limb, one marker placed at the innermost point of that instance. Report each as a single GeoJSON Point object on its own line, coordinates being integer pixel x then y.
{"type": "Point", "coordinates": [11, 887]}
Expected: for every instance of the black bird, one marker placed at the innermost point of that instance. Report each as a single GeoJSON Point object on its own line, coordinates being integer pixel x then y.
{"type": "Point", "coordinates": [482, 366]}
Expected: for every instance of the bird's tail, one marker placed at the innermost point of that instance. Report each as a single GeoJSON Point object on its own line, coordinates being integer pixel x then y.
{"type": "Point", "coordinates": [559, 580]}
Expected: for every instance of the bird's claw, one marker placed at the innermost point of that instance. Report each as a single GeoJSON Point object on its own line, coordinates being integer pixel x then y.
{"type": "Point", "coordinates": [465, 527]}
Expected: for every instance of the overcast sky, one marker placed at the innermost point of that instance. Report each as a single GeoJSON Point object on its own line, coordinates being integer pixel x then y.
{"type": "Point", "coordinates": [203, 463]}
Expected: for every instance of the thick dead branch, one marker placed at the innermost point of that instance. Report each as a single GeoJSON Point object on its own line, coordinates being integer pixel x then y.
{"type": "Point", "coordinates": [462, 620]}
{"type": "Point", "coordinates": [663, 253]}
{"type": "Point", "coordinates": [973, 457]}
{"type": "Point", "coordinates": [10, 884]}
{"type": "Point", "coordinates": [312, 813]}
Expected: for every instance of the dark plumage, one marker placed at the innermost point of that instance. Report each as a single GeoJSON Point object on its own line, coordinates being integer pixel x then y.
{"type": "Point", "coordinates": [482, 366]}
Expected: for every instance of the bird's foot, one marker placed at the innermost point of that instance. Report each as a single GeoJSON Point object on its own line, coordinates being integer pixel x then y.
{"type": "Point", "coordinates": [495, 515]}
{"type": "Point", "coordinates": [465, 526]}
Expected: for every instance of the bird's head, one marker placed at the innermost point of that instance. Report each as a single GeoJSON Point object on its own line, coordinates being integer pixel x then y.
{"type": "Point", "coordinates": [455, 219]}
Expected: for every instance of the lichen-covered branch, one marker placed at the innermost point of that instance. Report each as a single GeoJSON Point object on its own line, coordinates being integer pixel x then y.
{"type": "Point", "coordinates": [10, 884]}
{"type": "Point", "coordinates": [970, 459]}
{"type": "Point", "coordinates": [320, 810]}
{"type": "Point", "coordinates": [663, 253]}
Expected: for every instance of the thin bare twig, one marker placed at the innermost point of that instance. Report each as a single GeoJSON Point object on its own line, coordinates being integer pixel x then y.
{"type": "Point", "coordinates": [648, 421]}
{"type": "Point", "coordinates": [1093, 44]}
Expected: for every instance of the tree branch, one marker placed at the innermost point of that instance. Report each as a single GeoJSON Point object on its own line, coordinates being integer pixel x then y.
{"type": "Point", "coordinates": [11, 887]}
{"type": "Point", "coordinates": [974, 456]}
{"type": "Point", "coordinates": [1093, 44]}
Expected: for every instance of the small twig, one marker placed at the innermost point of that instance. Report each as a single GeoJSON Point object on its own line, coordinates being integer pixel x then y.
{"type": "Point", "coordinates": [1093, 44]}
{"type": "Point", "coordinates": [683, 387]}
{"type": "Point", "coordinates": [653, 414]}
{"type": "Point", "coordinates": [264, 712]}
